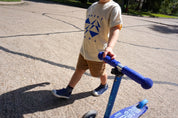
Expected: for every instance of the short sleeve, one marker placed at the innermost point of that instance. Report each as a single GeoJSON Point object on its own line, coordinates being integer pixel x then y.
{"type": "Point", "coordinates": [116, 17]}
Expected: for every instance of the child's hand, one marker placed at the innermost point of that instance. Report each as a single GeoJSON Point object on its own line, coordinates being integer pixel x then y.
{"type": "Point", "coordinates": [109, 52]}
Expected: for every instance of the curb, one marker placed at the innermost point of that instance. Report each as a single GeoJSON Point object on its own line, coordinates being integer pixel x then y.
{"type": "Point", "coordinates": [11, 3]}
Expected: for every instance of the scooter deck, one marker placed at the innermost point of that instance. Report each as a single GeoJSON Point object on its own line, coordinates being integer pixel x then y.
{"type": "Point", "coordinates": [130, 112]}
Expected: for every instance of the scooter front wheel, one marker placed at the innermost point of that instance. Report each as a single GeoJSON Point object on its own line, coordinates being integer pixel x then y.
{"type": "Point", "coordinates": [90, 114]}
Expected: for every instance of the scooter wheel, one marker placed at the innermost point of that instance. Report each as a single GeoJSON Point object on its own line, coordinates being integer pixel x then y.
{"type": "Point", "coordinates": [142, 103]}
{"type": "Point", "coordinates": [90, 114]}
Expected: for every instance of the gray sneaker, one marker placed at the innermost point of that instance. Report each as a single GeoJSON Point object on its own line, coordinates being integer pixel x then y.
{"type": "Point", "coordinates": [100, 90]}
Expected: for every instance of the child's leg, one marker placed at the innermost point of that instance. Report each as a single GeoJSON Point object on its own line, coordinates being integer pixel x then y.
{"type": "Point", "coordinates": [81, 67]}
{"type": "Point", "coordinates": [80, 70]}
{"type": "Point", "coordinates": [103, 79]}
{"type": "Point", "coordinates": [66, 92]}
{"type": "Point", "coordinates": [76, 77]}
{"type": "Point", "coordinates": [97, 69]}
{"type": "Point", "coordinates": [102, 87]}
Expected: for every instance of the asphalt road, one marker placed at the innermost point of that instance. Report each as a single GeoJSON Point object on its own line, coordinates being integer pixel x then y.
{"type": "Point", "coordinates": [39, 47]}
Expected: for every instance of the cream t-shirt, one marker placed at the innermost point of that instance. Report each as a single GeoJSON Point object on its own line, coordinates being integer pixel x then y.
{"type": "Point", "coordinates": [99, 19]}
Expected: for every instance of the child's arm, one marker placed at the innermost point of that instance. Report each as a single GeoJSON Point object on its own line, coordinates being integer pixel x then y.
{"type": "Point", "coordinates": [114, 34]}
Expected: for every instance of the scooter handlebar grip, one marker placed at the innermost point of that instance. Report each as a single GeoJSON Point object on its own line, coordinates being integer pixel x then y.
{"type": "Point", "coordinates": [108, 59]}
{"type": "Point", "coordinates": [146, 83]}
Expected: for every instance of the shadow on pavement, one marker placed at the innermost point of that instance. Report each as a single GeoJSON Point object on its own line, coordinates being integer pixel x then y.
{"type": "Point", "coordinates": [165, 29]}
{"type": "Point", "coordinates": [39, 34]}
{"type": "Point", "coordinates": [70, 67]}
{"type": "Point", "coordinates": [36, 58]}
{"type": "Point", "coordinates": [15, 104]}
{"type": "Point", "coordinates": [150, 47]}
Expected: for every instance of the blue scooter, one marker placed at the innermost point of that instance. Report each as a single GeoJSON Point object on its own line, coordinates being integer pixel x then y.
{"type": "Point", "coordinates": [134, 111]}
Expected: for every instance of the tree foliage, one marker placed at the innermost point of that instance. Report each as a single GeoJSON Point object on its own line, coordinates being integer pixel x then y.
{"type": "Point", "coordinates": [169, 7]}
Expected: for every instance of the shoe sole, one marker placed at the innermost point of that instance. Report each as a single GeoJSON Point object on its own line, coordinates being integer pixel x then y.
{"type": "Point", "coordinates": [58, 96]}
{"type": "Point", "coordinates": [96, 94]}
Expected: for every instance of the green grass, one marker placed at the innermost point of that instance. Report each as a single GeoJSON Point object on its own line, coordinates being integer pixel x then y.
{"type": "Point", "coordinates": [79, 4]}
{"type": "Point", "coordinates": [10, 0]}
{"type": "Point", "coordinates": [131, 12]}
{"type": "Point", "coordinates": [73, 3]}
{"type": "Point", "coordinates": [149, 14]}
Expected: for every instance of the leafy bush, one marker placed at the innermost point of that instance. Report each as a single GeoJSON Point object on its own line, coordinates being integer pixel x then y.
{"type": "Point", "coordinates": [169, 7]}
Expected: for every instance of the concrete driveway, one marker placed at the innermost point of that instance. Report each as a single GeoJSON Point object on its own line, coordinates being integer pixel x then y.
{"type": "Point", "coordinates": [39, 46]}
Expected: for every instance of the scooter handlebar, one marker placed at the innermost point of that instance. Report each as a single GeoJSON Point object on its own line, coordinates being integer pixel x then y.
{"type": "Point", "coordinates": [146, 83]}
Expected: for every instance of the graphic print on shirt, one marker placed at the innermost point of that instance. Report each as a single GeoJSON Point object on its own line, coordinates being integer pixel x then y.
{"type": "Point", "coordinates": [92, 26]}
